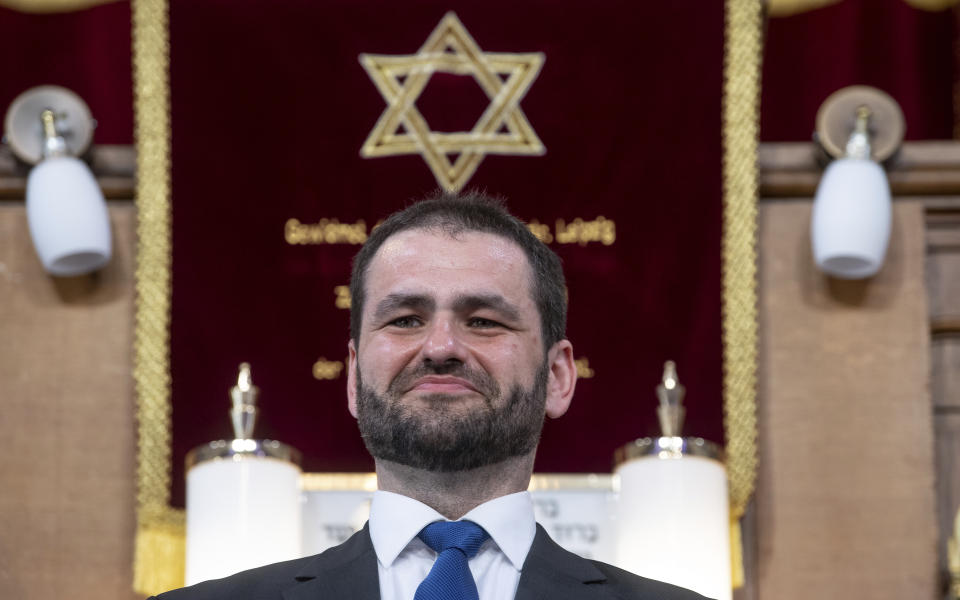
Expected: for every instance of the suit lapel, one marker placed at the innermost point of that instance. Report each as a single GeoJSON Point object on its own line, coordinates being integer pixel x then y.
{"type": "Point", "coordinates": [345, 571]}
{"type": "Point", "coordinates": [550, 572]}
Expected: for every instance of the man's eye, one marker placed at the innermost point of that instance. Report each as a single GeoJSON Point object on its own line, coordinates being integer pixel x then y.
{"type": "Point", "coordinates": [405, 322]}
{"type": "Point", "coordinates": [481, 323]}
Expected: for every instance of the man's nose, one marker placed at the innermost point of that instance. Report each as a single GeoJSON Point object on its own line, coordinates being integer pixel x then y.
{"type": "Point", "coordinates": [443, 342]}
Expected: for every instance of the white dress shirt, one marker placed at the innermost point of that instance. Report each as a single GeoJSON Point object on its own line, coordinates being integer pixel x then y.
{"type": "Point", "coordinates": [404, 560]}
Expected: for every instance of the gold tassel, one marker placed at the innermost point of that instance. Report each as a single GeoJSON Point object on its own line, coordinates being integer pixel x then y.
{"type": "Point", "coordinates": [736, 553]}
{"type": "Point", "coordinates": [159, 558]}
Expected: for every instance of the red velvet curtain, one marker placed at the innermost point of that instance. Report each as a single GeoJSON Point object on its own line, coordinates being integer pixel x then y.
{"type": "Point", "coordinates": [909, 53]}
{"type": "Point", "coordinates": [87, 51]}
{"type": "Point", "coordinates": [270, 107]}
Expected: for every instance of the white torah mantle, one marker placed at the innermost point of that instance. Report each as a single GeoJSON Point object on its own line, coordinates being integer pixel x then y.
{"type": "Point", "coordinates": [243, 508]}
{"type": "Point", "coordinates": [672, 516]}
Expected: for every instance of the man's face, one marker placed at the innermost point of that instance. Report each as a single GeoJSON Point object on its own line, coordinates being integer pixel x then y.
{"type": "Point", "coordinates": [450, 373]}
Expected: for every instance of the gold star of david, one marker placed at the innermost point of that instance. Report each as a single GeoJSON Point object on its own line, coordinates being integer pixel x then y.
{"type": "Point", "coordinates": [501, 129]}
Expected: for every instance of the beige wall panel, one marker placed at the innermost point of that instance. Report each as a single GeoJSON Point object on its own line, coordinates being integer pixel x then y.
{"type": "Point", "coordinates": [845, 500]}
{"type": "Point", "coordinates": [67, 421]}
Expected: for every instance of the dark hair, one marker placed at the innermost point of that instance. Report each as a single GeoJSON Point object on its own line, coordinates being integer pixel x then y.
{"type": "Point", "coordinates": [470, 211]}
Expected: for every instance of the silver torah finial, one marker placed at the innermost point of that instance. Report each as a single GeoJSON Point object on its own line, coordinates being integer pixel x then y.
{"type": "Point", "coordinates": [670, 392]}
{"type": "Point", "coordinates": [243, 414]}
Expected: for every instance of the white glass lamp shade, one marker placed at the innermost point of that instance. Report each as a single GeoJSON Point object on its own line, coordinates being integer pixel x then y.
{"type": "Point", "coordinates": [68, 217]}
{"type": "Point", "coordinates": [850, 226]}
{"type": "Point", "coordinates": [673, 523]}
{"type": "Point", "coordinates": [241, 513]}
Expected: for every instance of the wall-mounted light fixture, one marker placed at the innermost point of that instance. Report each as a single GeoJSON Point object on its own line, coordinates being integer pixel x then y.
{"type": "Point", "coordinates": [49, 126]}
{"type": "Point", "coordinates": [860, 127]}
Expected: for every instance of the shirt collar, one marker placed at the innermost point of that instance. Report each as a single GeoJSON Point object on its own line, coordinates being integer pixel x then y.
{"type": "Point", "coordinates": [395, 520]}
{"type": "Point", "coordinates": [509, 521]}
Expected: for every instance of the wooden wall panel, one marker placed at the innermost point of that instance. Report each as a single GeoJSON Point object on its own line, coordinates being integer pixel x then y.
{"type": "Point", "coordinates": [66, 420]}
{"type": "Point", "coordinates": [943, 267]}
{"type": "Point", "coordinates": [845, 501]}
{"type": "Point", "coordinates": [948, 484]}
{"type": "Point", "coordinates": [943, 281]}
{"type": "Point", "coordinates": [945, 383]}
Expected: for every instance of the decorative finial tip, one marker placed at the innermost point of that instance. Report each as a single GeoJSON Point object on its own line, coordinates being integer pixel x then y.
{"type": "Point", "coordinates": [670, 375]}
{"type": "Point", "coordinates": [244, 378]}
{"type": "Point", "coordinates": [670, 392]}
{"type": "Point", "coordinates": [243, 414]}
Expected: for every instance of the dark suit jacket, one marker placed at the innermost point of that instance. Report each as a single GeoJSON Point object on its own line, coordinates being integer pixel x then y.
{"type": "Point", "coordinates": [349, 571]}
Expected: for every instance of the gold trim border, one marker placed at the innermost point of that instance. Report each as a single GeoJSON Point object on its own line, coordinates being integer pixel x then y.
{"type": "Point", "coordinates": [52, 6]}
{"type": "Point", "coordinates": [367, 482]}
{"type": "Point", "coordinates": [741, 125]}
{"type": "Point", "coordinates": [160, 547]}
{"type": "Point", "coordinates": [742, 56]}
{"type": "Point", "coordinates": [338, 482]}
{"type": "Point", "coordinates": [541, 482]}
{"type": "Point", "coordinates": [787, 8]}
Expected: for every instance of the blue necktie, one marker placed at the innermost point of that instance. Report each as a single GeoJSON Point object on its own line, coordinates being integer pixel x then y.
{"type": "Point", "coordinates": [455, 542]}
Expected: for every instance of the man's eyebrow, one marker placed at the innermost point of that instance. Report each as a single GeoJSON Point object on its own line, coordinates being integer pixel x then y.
{"type": "Point", "coordinates": [495, 302]}
{"type": "Point", "coordinates": [394, 302]}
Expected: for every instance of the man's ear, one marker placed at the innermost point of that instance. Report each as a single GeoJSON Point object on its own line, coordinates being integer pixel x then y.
{"type": "Point", "coordinates": [562, 378]}
{"type": "Point", "coordinates": [352, 379]}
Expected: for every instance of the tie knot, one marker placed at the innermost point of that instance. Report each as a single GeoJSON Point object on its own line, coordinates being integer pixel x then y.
{"type": "Point", "coordinates": [465, 536]}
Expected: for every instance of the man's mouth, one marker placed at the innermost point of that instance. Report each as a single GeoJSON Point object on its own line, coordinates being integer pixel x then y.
{"type": "Point", "coordinates": [439, 384]}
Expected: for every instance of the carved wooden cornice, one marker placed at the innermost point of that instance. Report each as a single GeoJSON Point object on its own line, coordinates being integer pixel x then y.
{"type": "Point", "coordinates": [113, 166]}
{"type": "Point", "coordinates": [928, 168]}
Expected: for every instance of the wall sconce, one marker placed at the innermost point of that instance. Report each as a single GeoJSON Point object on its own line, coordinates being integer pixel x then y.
{"type": "Point", "coordinates": [860, 127]}
{"type": "Point", "coordinates": [49, 126]}
{"type": "Point", "coordinates": [673, 511]}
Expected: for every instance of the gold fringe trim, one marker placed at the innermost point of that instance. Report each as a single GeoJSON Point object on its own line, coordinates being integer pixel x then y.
{"type": "Point", "coordinates": [741, 124]}
{"type": "Point", "coordinates": [736, 554]}
{"type": "Point", "coordinates": [159, 556]}
{"type": "Point", "coordinates": [52, 6]}
{"type": "Point", "coordinates": [785, 8]}
{"type": "Point", "coordinates": [932, 5]}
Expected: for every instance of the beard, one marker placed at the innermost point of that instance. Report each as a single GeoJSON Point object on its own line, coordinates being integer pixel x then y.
{"type": "Point", "coordinates": [438, 435]}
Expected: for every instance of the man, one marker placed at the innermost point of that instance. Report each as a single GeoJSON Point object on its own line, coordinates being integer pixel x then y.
{"type": "Point", "coordinates": [457, 353]}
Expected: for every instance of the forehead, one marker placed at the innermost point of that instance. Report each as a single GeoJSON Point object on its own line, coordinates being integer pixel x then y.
{"type": "Point", "coordinates": [441, 263]}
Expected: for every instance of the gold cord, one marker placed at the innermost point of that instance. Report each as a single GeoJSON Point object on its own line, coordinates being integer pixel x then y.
{"type": "Point", "coordinates": [741, 95]}
{"type": "Point", "coordinates": [159, 548]}
{"type": "Point", "coordinates": [741, 113]}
